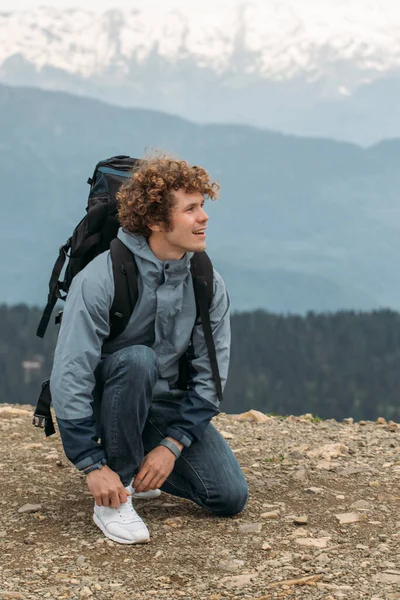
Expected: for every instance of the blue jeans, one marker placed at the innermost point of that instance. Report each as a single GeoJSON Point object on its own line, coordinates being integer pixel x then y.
{"type": "Point", "coordinates": [131, 425]}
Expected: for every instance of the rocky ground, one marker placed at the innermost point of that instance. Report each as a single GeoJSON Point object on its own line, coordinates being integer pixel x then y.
{"type": "Point", "coordinates": [322, 520]}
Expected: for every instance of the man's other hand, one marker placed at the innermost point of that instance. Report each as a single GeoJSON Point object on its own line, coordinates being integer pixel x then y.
{"type": "Point", "coordinates": [106, 487]}
{"type": "Point", "coordinates": [154, 470]}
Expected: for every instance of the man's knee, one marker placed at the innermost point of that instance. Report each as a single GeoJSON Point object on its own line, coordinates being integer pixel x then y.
{"type": "Point", "coordinates": [136, 361]}
{"type": "Point", "coordinates": [231, 499]}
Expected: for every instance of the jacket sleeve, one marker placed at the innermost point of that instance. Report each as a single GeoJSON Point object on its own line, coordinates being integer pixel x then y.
{"type": "Point", "coordinates": [85, 325]}
{"type": "Point", "coordinates": [200, 403]}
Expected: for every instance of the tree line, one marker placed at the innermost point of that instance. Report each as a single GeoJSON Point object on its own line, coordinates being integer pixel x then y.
{"type": "Point", "coordinates": [337, 365]}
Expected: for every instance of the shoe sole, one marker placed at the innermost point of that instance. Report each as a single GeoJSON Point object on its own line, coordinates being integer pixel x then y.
{"type": "Point", "coordinates": [113, 537]}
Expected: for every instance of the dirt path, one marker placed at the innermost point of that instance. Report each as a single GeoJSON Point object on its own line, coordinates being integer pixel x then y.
{"type": "Point", "coordinates": [288, 543]}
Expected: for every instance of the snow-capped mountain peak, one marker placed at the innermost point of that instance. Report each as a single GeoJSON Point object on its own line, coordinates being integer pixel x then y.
{"type": "Point", "coordinates": [311, 67]}
{"type": "Point", "coordinates": [275, 39]}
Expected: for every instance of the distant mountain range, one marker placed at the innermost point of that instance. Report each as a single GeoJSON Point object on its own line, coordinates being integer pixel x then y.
{"type": "Point", "coordinates": [302, 224]}
{"type": "Point", "coordinates": [327, 69]}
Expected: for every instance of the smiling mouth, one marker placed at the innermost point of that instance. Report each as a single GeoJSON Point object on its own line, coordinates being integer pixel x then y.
{"type": "Point", "coordinates": [199, 232]}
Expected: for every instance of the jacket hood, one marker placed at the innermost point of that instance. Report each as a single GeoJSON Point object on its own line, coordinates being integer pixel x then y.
{"type": "Point", "coordinates": [139, 246]}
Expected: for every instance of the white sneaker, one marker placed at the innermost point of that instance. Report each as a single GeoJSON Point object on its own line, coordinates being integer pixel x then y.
{"type": "Point", "coordinates": [123, 524]}
{"type": "Point", "coordinates": [146, 495]}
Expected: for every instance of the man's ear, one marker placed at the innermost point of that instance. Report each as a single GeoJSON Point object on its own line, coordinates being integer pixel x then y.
{"type": "Point", "coordinates": [155, 228]}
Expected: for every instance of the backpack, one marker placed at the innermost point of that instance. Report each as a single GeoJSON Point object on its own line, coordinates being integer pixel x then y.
{"type": "Point", "coordinates": [95, 234]}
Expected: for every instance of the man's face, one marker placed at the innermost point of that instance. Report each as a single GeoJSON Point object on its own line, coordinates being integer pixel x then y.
{"type": "Point", "coordinates": [188, 225]}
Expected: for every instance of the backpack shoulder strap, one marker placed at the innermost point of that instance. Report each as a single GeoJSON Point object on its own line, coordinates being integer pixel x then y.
{"type": "Point", "coordinates": [201, 266]}
{"type": "Point", "coordinates": [126, 287]}
{"type": "Point", "coordinates": [203, 284]}
{"type": "Point", "coordinates": [55, 287]}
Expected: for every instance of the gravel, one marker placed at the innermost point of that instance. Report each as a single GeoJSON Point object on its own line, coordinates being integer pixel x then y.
{"type": "Point", "coordinates": [321, 522]}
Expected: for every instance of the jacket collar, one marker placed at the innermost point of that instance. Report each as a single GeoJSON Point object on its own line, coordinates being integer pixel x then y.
{"type": "Point", "coordinates": [149, 265]}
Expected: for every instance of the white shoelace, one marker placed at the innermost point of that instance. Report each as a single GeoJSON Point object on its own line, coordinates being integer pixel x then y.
{"type": "Point", "coordinates": [127, 513]}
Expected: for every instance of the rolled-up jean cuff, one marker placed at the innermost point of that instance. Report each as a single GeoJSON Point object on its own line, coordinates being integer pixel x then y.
{"type": "Point", "coordinates": [90, 460]}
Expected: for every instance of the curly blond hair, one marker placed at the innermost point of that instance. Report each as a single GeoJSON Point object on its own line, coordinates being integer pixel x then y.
{"type": "Point", "coordinates": [148, 196]}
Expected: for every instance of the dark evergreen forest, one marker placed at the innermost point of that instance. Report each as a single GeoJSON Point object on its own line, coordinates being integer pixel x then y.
{"type": "Point", "coordinates": [345, 364]}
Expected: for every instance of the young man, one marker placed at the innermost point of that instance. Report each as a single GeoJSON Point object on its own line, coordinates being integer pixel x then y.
{"type": "Point", "coordinates": [153, 435]}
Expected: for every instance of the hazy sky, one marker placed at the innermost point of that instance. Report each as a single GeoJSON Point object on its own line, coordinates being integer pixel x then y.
{"type": "Point", "coordinates": [370, 13]}
{"type": "Point", "coordinates": [319, 6]}
{"type": "Point", "coordinates": [11, 5]}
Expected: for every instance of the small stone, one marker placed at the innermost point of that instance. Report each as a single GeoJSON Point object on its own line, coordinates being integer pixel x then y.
{"type": "Point", "coordinates": [361, 505]}
{"type": "Point", "coordinates": [313, 542]}
{"type": "Point", "coordinates": [387, 577]}
{"type": "Point", "coordinates": [328, 451]}
{"type": "Point", "coordinates": [237, 580]}
{"type": "Point", "coordinates": [29, 541]}
{"type": "Point", "coordinates": [80, 560]}
{"type": "Point", "coordinates": [296, 455]}
{"type": "Point", "coordinates": [381, 421]}
{"type": "Point", "coordinates": [323, 533]}
{"type": "Point", "coordinates": [231, 564]}
{"type": "Point", "coordinates": [303, 520]}
{"type": "Point", "coordinates": [176, 522]}
{"type": "Point", "coordinates": [347, 518]}
{"type": "Point", "coordinates": [227, 435]}
{"type": "Point", "coordinates": [31, 446]}
{"type": "Point", "coordinates": [298, 532]}
{"type": "Point", "coordinates": [85, 592]}
{"type": "Point", "coordinates": [252, 415]}
{"type": "Point", "coordinates": [306, 417]}
{"type": "Point", "coordinates": [51, 457]}
{"type": "Point", "coordinates": [250, 528]}
{"type": "Point", "coordinates": [313, 490]}
{"type": "Point", "coordinates": [300, 475]}
{"type": "Point", "coordinates": [266, 546]}
{"type": "Point", "coordinates": [273, 514]}
{"type": "Point", "coordinates": [392, 426]}
{"type": "Point", "coordinates": [30, 508]}
{"type": "Point", "coordinates": [348, 421]}
{"type": "Point", "coordinates": [382, 537]}
{"type": "Point", "coordinates": [374, 484]}
{"type": "Point", "coordinates": [362, 423]}
{"type": "Point", "coordinates": [324, 465]}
